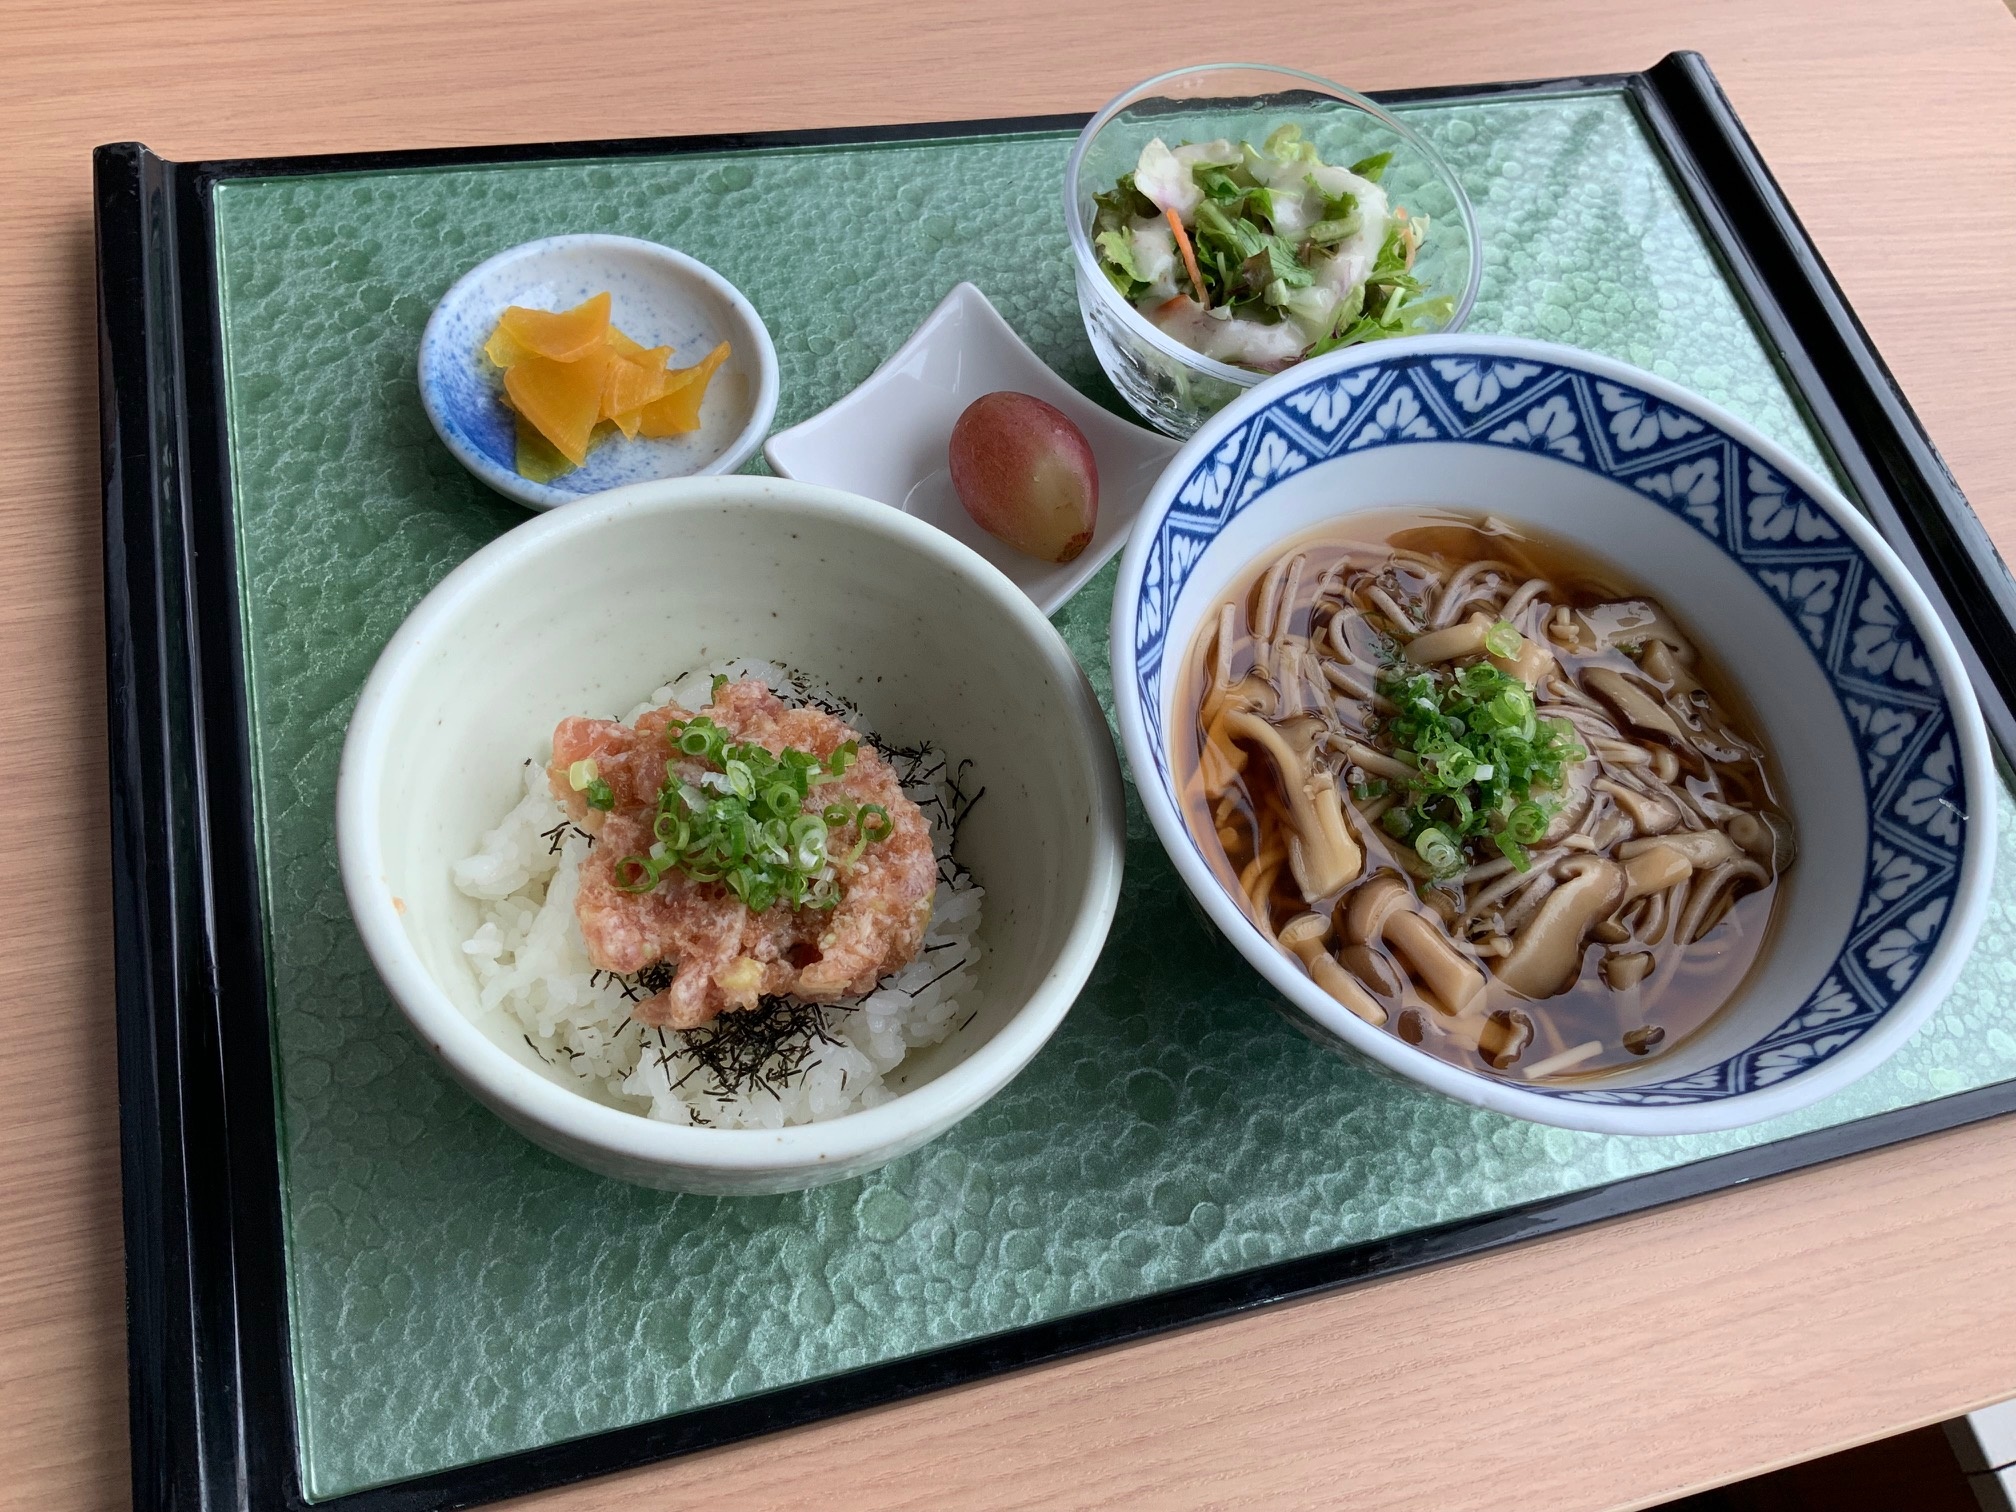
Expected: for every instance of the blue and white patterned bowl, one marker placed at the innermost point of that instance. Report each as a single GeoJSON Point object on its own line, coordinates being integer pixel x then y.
{"type": "Point", "coordinates": [658, 296]}
{"type": "Point", "coordinates": [1859, 690]}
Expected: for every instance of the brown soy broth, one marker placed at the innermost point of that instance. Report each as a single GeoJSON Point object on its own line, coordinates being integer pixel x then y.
{"type": "Point", "coordinates": [1687, 984]}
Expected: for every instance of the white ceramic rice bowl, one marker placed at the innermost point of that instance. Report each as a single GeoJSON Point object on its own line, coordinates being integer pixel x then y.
{"type": "Point", "coordinates": [1860, 693]}
{"type": "Point", "coordinates": [586, 610]}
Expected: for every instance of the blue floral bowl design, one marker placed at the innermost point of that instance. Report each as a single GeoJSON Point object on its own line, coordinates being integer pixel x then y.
{"type": "Point", "coordinates": [1859, 690]}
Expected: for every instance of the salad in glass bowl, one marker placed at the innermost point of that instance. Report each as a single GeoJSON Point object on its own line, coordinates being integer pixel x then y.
{"type": "Point", "coordinates": [1261, 256]}
{"type": "Point", "coordinates": [1230, 220]}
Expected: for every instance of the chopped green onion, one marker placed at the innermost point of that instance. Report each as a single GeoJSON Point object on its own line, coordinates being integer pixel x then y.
{"type": "Point", "coordinates": [1439, 851]}
{"type": "Point", "coordinates": [1503, 639]}
{"type": "Point", "coordinates": [635, 874]}
{"type": "Point", "coordinates": [1526, 823]}
{"type": "Point", "coordinates": [580, 774]}
{"type": "Point", "coordinates": [1510, 708]}
{"type": "Point", "coordinates": [1456, 766]}
{"type": "Point", "coordinates": [600, 795]}
{"type": "Point", "coordinates": [714, 688]}
{"type": "Point", "coordinates": [742, 821]}
{"type": "Point", "coordinates": [1479, 679]}
{"type": "Point", "coordinates": [838, 763]}
{"type": "Point", "coordinates": [1480, 756]}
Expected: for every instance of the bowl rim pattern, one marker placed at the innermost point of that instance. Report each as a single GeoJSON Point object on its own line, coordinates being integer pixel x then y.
{"type": "Point", "coordinates": [1876, 639]}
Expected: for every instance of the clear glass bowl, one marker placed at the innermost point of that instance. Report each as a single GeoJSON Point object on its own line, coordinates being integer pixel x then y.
{"type": "Point", "coordinates": [1173, 387]}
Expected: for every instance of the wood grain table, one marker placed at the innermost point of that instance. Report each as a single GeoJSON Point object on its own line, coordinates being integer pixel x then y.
{"type": "Point", "coordinates": [1608, 1368]}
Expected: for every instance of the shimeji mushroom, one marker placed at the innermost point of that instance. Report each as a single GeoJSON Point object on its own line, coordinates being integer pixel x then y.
{"type": "Point", "coordinates": [1548, 952]}
{"type": "Point", "coordinates": [1304, 936]}
{"type": "Point", "coordinates": [1626, 969]}
{"type": "Point", "coordinates": [1654, 869]}
{"type": "Point", "coordinates": [1634, 705]}
{"type": "Point", "coordinates": [1650, 816]}
{"type": "Point", "coordinates": [1764, 837]}
{"type": "Point", "coordinates": [1466, 639]}
{"type": "Point", "coordinates": [1571, 802]}
{"type": "Point", "coordinates": [1702, 848]}
{"type": "Point", "coordinates": [1384, 909]}
{"type": "Point", "coordinates": [1322, 854]}
{"type": "Point", "coordinates": [1530, 663]}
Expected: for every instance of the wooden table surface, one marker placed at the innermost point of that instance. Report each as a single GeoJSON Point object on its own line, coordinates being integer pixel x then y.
{"type": "Point", "coordinates": [1608, 1368]}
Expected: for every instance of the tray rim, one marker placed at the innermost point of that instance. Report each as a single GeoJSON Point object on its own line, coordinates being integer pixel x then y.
{"type": "Point", "coordinates": [211, 1384]}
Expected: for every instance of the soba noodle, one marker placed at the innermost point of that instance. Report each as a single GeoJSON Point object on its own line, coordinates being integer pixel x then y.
{"type": "Point", "coordinates": [1493, 800]}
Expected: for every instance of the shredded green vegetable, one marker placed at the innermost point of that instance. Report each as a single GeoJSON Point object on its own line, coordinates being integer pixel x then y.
{"type": "Point", "coordinates": [1480, 756]}
{"type": "Point", "coordinates": [1263, 228]}
{"type": "Point", "coordinates": [742, 822]}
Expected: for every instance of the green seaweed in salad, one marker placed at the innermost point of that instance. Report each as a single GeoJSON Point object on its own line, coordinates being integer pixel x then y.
{"type": "Point", "coordinates": [1262, 256]}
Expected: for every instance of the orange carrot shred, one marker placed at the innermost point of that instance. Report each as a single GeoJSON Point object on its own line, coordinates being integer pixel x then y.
{"type": "Point", "coordinates": [1189, 257]}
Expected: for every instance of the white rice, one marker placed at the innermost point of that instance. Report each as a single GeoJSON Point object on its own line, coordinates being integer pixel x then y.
{"type": "Point", "coordinates": [532, 965]}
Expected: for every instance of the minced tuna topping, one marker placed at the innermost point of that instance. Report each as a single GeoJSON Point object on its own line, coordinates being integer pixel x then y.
{"type": "Point", "coordinates": [843, 902]}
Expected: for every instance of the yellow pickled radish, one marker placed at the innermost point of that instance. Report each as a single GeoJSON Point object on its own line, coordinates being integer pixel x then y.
{"type": "Point", "coordinates": [560, 335]}
{"type": "Point", "coordinates": [678, 412]}
{"type": "Point", "coordinates": [572, 380]}
{"type": "Point", "coordinates": [537, 458]}
{"type": "Point", "coordinates": [634, 384]}
{"type": "Point", "coordinates": [562, 400]}
{"type": "Point", "coordinates": [504, 350]}
{"type": "Point", "coordinates": [625, 346]}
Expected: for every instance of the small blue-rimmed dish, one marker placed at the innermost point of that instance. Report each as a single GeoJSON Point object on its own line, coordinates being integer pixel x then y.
{"type": "Point", "coordinates": [1859, 692]}
{"type": "Point", "coordinates": [657, 296]}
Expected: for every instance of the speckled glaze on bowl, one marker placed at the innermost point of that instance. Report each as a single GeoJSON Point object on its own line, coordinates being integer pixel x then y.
{"type": "Point", "coordinates": [587, 609]}
{"type": "Point", "coordinates": [1861, 696]}
{"type": "Point", "coordinates": [658, 296]}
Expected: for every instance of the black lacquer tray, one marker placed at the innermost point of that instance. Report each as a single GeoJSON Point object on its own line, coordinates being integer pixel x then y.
{"type": "Point", "coordinates": [242, 1393]}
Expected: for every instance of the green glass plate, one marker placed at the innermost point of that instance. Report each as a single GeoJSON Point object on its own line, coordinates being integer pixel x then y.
{"type": "Point", "coordinates": [457, 1294]}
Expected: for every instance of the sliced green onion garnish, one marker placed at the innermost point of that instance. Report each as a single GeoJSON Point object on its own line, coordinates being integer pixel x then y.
{"type": "Point", "coordinates": [580, 774]}
{"type": "Point", "coordinates": [1479, 678]}
{"type": "Point", "coordinates": [1504, 639]}
{"type": "Point", "coordinates": [741, 821]}
{"type": "Point", "coordinates": [1483, 762]}
{"type": "Point", "coordinates": [1440, 852]}
{"type": "Point", "coordinates": [599, 795]}
{"type": "Point", "coordinates": [1526, 823]}
{"type": "Point", "coordinates": [875, 822]}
